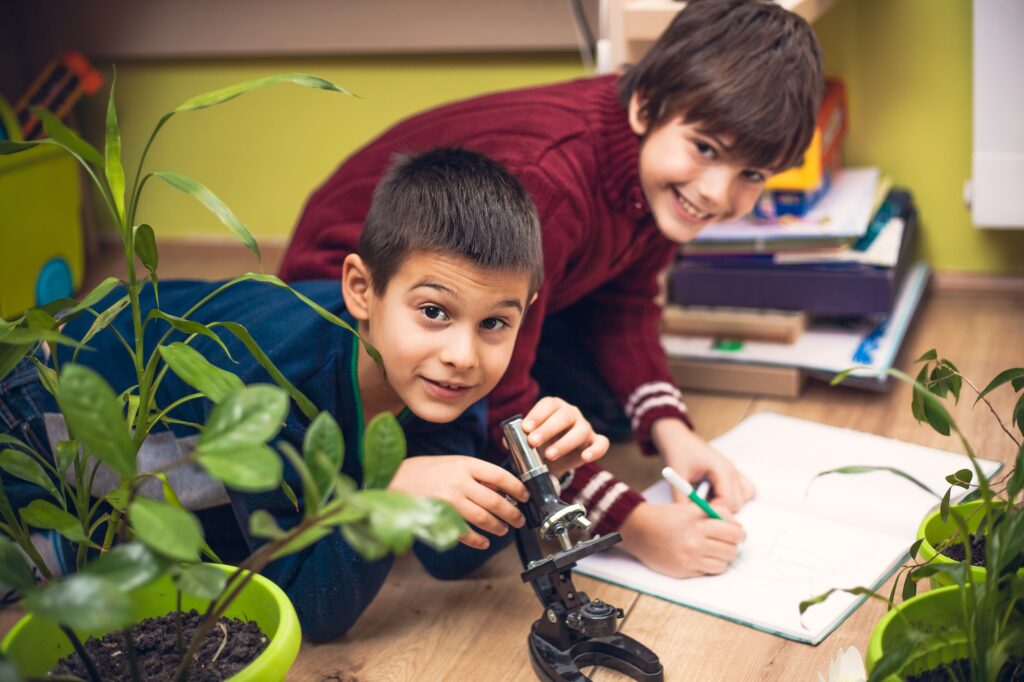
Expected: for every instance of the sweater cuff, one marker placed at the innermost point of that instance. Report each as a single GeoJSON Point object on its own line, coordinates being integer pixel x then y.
{"type": "Point", "coordinates": [607, 500]}
{"type": "Point", "coordinates": [650, 402]}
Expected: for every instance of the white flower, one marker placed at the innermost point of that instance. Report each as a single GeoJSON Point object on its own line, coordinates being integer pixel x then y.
{"type": "Point", "coordinates": [848, 666]}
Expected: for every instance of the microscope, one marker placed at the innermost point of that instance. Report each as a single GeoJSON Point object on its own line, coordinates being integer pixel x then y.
{"type": "Point", "coordinates": [573, 632]}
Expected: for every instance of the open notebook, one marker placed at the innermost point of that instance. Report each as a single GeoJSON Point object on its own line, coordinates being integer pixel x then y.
{"type": "Point", "coordinates": [803, 537]}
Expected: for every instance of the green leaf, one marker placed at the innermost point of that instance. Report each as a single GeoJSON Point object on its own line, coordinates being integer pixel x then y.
{"type": "Point", "coordinates": [251, 468]}
{"type": "Point", "coordinates": [1014, 374]}
{"type": "Point", "coordinates": [112, 156]}
{"type": "Point", "coordinates": [11, 355]}
{"type": "Point", "coordinates": [251, 415]}
{"type": "Point", "coordinates": [914, 548]}
{"type": "Point", "coordinates": [195, 370]}
{"type": "Point", "coordinates": [242, 334]}
{"type": "Point", "coordinates": [104, 319]}
{"type": "Point", "coordinates": [323, 450]}
{"type": "Point", "coordinates": [917, 398]}
{"type": "Point", "coordinates": [47, 376]}
{"type": "Point", "coordinates": [14, 570]}
{"type": "Point", "coordinates": [22, 466]}
{"type": "Point", "coordinates": [383, 450]}
{"type": "Point", "coordinates": [891, 662]}
{"type": "Point", "coordinates": [364, 541]}
{"type": "Point", "coordinates": [396, 519]}
{"type": "Point", "coordinates": [42, 514]}
{"type": "Point", "coordinates": [290, 494]}
{"type": "Point", "coordinates": [93, 416]}
{"type": "Point", "coordinates": [129, 566]}
{"type": "Point", "coordinates": [909, 588]}
{"type": "Point", "coordinates": [310, 494]}
{"type": "Point", "coordinates": [96, 295]}
{"type": "Point", "coordinates": [11, 147]}
{"type": "Point", "coordinates": [944, 506]}
{"type": "Point", "coordinates": [39, 319]}
{"type": "Point", "coordinates": [262, 524]}
{"type": "Point", "coordinates": [311, 536]}
{"type": "Point", "coordinates": [209, 99]}
{"type": "Point", "coordinates": [961, 478]}
{"type": "Point", "coordinates": [83, 602]}
{"type": "Point", "coordinates": [1016, 482]}
{"type": "Point", "coordinates": [145, 248]}
{"type": "Point", "coordinates": [27, 336]}
{"type": "Point", "coordinates": [203, 581]}
{"type": "Point", "coordinates": [927, 355]}
{"type": "Point", "coordinates": [210, 200]}
{"type": "Point", "coordinates": [190, 327]}
{"type": "Point", "coordinates": [66, 137]}
{"type": "Point", "coordinates": [66, 451]}
{"type": "Point", "coordinates": [168, 530]}
{"type": "Point", "coordinates": [859, 469]}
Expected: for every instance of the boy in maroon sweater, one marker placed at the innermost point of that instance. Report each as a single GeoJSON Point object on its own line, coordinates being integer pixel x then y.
{"type": "Point", "coordinates": [621, 169]}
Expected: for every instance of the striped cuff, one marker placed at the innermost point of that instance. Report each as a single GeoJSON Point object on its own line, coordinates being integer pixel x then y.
{"type": "Point", "coordinates": [607, 500]}
{"type": "Point", "coordinates": [650, 402]}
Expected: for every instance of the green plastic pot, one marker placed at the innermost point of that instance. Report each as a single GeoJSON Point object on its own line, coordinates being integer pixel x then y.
{"type": "Point", "coordinates": [35, 644]}
{"type": "Point", "coordinates": [934, 531]}
{"type": "Point", "coordinates": [938, 610]}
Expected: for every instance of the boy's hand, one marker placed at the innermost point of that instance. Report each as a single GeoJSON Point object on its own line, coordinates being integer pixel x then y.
{"type": "Point", "coordinates": [470, 485]}
{"type": "Point", "coordinates": [680, 540]}
{"type": "Point", "coordinates": [692, 457]}
{"type": "Point", "coordinates": [561, 434]}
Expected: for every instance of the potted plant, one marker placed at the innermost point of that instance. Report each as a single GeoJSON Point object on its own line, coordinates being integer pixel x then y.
{"type": "Point", "coordinates": [140, 557]}
{"type": "Point", "coordinates": [973, 628]}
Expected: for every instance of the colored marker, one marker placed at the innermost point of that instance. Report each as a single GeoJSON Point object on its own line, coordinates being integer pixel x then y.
{"type": "Point", "coordinates": [683, 486]}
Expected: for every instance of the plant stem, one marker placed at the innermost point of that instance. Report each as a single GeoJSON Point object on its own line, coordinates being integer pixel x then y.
{"type": "Point", "coordinates": [133, 659]}
{"type": "Point", "coordinates": [991, 409]}
{"type": "Point", "coordinates": [179, 642]}
{"type": "Point", "coordinates": [76, 643]}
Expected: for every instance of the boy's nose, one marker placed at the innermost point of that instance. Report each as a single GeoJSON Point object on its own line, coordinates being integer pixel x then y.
{"type": "Point", "coordinates": [459, 351]}
{"type": "Point", "coordinates": [715, 187]}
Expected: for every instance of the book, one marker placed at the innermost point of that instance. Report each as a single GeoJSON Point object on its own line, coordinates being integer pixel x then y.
{"type": "Point", "coordinates": [860, 279]}
{"type": "Point", "coordinates": [734, 323]}
{"type": "Point", "coordinates": [737, 377]}
{"type": "Point", "coordinates": [827, 347]}
{"type": "Point", "coordinates": [841, 217]}
{"type": "Point", "coordinates": [805, 534]}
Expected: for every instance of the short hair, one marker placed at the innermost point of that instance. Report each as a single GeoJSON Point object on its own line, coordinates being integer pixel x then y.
{"type": "Point", "coordinates": [451, 201]}
{"type": "Point", "coordinates": [748, 69]}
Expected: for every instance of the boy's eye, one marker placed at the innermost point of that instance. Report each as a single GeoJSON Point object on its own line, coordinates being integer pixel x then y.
{"type": "Point", "coordinates": [433, 312]}
{"type": "Point", "coordinates": [493, 323]}
{"type": "Point", "coordinates": [754, 176]}
{"type": "Point", "coordinates": [704, 149]}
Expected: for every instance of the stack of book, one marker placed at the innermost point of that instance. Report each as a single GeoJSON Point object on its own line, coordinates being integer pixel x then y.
{"type": "Point", "coordinates": [760, 304]}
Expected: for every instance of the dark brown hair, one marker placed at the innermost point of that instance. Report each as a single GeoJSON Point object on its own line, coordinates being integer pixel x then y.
{"type": "Point", "coordinates": [451, 202]}
{"type": "Point", "coordinates": [747, 69]}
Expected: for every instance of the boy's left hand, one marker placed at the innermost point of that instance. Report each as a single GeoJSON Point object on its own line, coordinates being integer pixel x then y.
{"type": "Point", "coordinates": [562, 435]}
{"type": "Point", "coordinates": [692, 457]}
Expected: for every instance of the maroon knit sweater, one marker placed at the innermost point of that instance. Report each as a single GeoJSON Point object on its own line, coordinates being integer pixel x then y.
{"type": "Point", "coordinates": [571, 146]}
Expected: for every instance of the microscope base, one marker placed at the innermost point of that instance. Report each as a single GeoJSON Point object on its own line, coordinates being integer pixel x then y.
{"type": "Point", "coordinates": [617, 651]}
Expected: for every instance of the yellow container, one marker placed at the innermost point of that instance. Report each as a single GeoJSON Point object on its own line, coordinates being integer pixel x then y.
{"type": "Point", "coordinates": [41, 252]}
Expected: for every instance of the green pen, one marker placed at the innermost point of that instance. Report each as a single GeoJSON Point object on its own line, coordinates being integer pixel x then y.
{"type": "Point", "coordinates": [683, 486]}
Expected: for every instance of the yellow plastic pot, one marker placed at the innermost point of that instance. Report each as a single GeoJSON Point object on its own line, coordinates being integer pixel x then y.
{"type": "Point", "coordinates": [35, 645]}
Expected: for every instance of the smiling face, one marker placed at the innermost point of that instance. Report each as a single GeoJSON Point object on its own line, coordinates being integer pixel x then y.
{"type": "Point", "coordinates": [689, 178]}
{"type": "Point", "coordinates": [445, 329]}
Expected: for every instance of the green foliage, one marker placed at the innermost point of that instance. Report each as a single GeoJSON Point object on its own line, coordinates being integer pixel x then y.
{"type": "Point", "coordinates": [136, 539]}
{"type": "Point", "coordinates": [991, 614]}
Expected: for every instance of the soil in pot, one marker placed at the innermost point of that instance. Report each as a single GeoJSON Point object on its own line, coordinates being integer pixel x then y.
{"type": "Point", "coordinates": [956, 550]}
{"type": "Point", "coordinates": [1013, 671]}
{"type": "Point", "coordinates": [228, 648]}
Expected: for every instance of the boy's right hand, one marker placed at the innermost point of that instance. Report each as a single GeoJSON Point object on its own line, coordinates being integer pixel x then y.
{"type": "Point", "coordinates": [680, 540]}
{"type": "Point", "coordinates": [470, 485]}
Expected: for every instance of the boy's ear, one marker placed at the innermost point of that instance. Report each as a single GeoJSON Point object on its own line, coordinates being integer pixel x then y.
{"type": "Point", "coordinates": [356, 287]}
{"type": "Point", "coordinates": [637, 114]}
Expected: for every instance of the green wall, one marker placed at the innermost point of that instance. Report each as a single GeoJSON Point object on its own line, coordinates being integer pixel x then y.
{"type": "Point", "coordinates": [907, 64]}
{"type": "Point", "coordinates": [263, 153]}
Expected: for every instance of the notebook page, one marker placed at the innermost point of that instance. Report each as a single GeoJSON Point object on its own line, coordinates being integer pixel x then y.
{"type": "Point", "coordinates": [783, 456]}
{"type": "Point", "coordinates": [786, 558]}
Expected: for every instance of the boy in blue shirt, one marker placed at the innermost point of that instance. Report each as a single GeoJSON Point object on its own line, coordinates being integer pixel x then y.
{"type": "Point", "coordinates": [447, 267]}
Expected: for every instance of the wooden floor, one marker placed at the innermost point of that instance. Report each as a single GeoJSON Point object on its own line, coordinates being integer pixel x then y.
{"type": "Point", "coordinates": [422, 629]}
